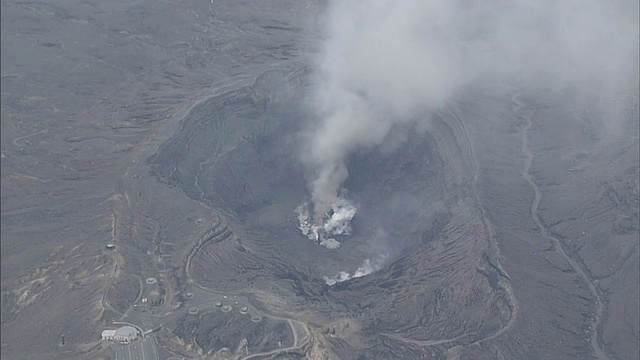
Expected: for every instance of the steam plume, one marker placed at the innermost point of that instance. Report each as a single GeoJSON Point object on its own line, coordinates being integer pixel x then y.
{"type": "Point", "coordinates": [388, 62]}
{"type": "Point", "coordinates": [337, 222]}
{"type": "Point", "coordinates": [366, 268]}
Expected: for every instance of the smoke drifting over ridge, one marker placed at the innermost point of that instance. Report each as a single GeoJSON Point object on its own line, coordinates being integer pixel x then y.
{"type": "Point", "coordinates": [389, 62]}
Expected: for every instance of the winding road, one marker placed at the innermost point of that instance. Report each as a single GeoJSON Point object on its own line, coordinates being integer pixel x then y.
{"type": "Point", "coordinates": [16, 141]}
{"type": "Point", "coordinates": [295, 345]}
{"type": "Point", "coordinates": [526, 175]}
{"type": "Point", "coordinates": [298, 343]}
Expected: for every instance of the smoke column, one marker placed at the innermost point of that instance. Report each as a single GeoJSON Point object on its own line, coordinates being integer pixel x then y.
{"type": "Point", "coordinates": [387, 63]}
{"type": "Point", "coordinates": [337, 223]}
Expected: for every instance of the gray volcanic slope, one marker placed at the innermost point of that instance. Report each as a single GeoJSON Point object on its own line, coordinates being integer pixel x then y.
{"type": "Point", "coordinates": [497, 230]}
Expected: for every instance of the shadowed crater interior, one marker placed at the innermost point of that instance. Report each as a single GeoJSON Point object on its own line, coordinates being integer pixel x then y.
{"type": "Point", "coordinates": [416, 223]}
{"type": "Point", "coordinates": [240, 151]}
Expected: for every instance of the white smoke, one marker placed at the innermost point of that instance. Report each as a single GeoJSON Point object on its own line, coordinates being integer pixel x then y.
{"type": "Point", "coordinates": [339, 223]}
{"type": "Point", "coordinates": [336, 222]}
{"type": "Point", "coordinates": [366, 268]}
{"type": "Point", "coordinates": [388, 62]}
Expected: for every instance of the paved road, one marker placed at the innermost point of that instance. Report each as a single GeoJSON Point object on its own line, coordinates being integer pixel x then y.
{"type": "Point", "coordinates": [142, 349]}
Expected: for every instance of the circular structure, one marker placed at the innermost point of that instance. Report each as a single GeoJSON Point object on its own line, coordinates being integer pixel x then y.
{"type": "Point", "coordinates": [226, 308]}
{"type": "Point", "coordinates": [193, 310]}
{"type": "Point", "coordinates": [151, 280]}
{"type": "Point", "coordinates": [219, 303]}
{"type": "Point", "coordinates": [256, 318]}
{"type": "Point", "coordinates": [110, 246]}
{"type": "Point", "coordinates": [244, 310]}
{"type": "Point", "coordinates": [188, 295]}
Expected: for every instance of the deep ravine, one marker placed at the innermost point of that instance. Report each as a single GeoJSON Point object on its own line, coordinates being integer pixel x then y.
{"type": "Point", "coordinates": [526, 175]}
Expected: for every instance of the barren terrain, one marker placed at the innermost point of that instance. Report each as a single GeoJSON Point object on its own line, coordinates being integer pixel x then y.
{"type": "Point", "coordinates": [506, 229]}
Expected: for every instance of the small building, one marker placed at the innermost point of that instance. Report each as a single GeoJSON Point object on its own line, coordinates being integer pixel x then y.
{"type": "Point", "coordinates": [110, 246]}
{"type": "Point", "coordinates": [108, 334]}
{"type": "Point", "coordinates": [124, 334]}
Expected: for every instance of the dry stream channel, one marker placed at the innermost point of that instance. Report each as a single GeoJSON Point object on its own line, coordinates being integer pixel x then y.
{"type": "Point", "coordinates": [526, 175]}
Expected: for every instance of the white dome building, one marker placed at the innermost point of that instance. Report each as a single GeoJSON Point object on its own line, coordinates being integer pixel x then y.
{"type": "Point", "coordinates": [124, 334]}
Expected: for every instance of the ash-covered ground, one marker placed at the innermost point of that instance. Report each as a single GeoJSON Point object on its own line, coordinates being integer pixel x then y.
{"type": "Point", "coordinates": [277, 189]}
